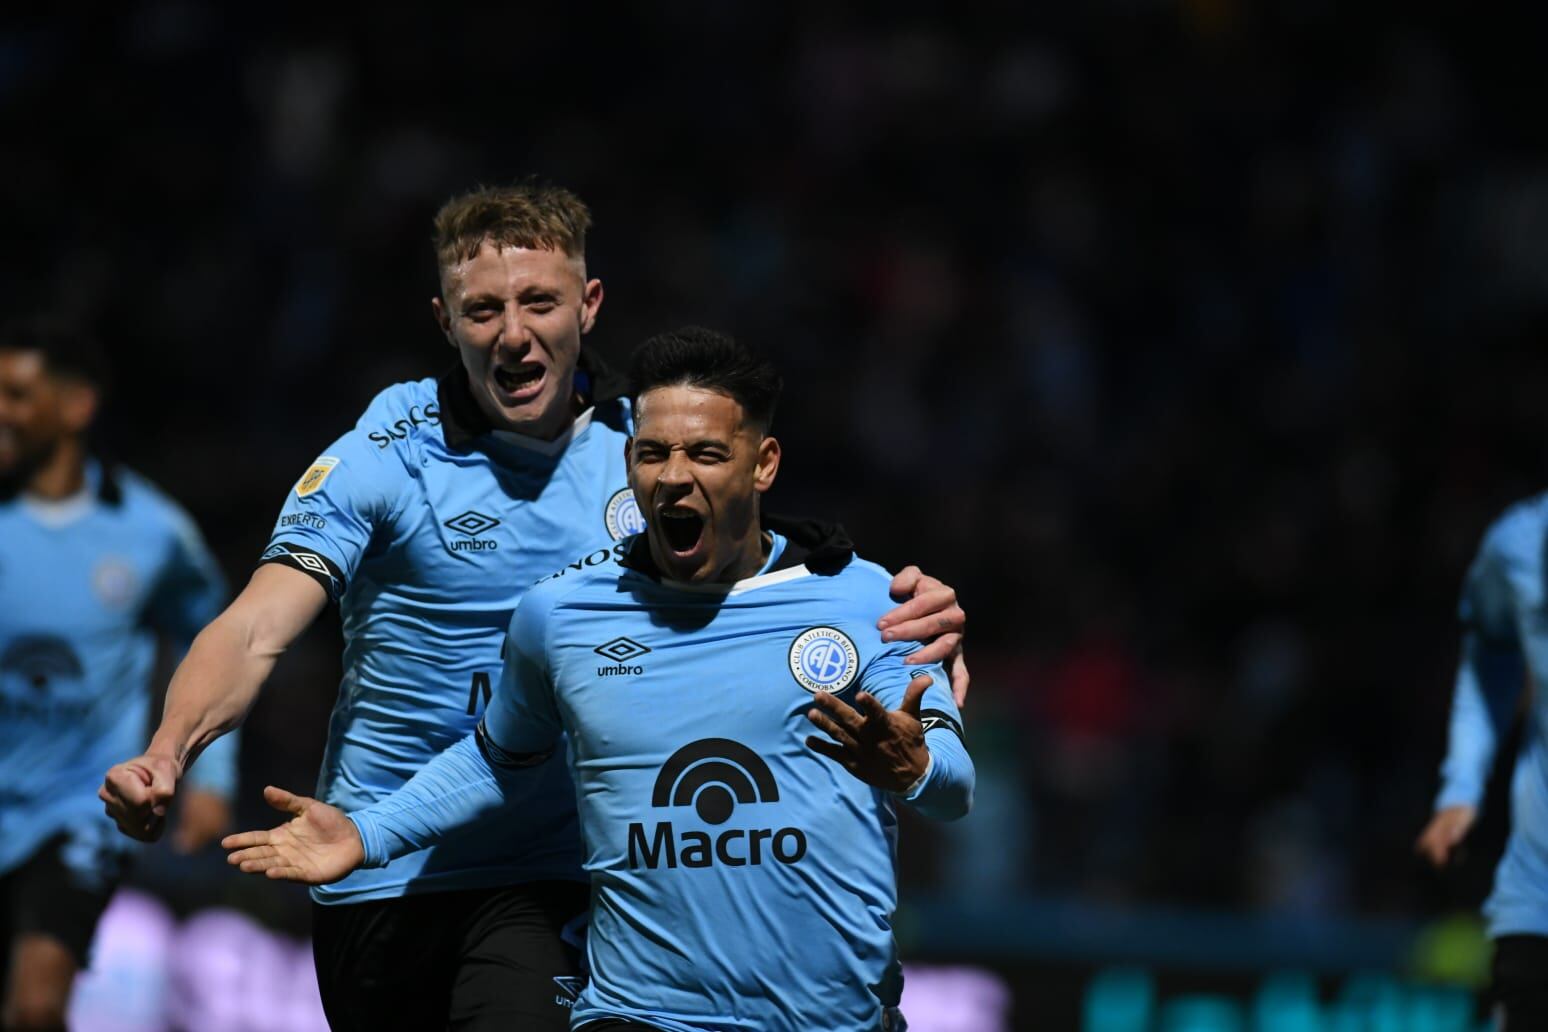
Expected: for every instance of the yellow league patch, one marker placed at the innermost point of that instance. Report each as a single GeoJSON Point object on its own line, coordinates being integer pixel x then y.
{"type": "Point", "coordinates": [312, 479]}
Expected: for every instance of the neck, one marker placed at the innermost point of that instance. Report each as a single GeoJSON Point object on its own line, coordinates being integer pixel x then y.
{"type": "Point", "coordinates": [62, 474]}
{"type": "Point", "coordinates": [750, 559]}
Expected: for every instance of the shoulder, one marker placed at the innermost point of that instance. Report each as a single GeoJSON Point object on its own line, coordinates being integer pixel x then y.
{"type": "Point", "coordinates": [864, 584]}
{"type": "Point", "coordinates": [157, 512]}
{"type": "Point", "coordinates": [1518, 535]}
{"type": "Point", "coordinates": [399, 414]}
{"type": "Point", "coordinates": [598, 567]}
{"type": "Point", "coordinates": [143, 500]}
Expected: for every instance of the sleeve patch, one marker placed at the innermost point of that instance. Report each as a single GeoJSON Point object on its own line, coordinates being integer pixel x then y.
{"type": "Point", "coordinates": [312, 480]}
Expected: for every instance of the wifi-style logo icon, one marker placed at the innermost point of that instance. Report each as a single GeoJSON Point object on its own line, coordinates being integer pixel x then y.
{"type": "Point", "coordinates": [714, 775]}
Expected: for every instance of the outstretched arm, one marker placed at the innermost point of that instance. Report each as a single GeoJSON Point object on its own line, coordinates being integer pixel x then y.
{"type": "Point", "coordinates": [475, 777]}
{"type": "Point", "coordinates": [211, 692]}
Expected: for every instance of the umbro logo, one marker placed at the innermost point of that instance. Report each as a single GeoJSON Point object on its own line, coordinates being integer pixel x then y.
{"type": "Point", "coordinates": [570, 987]}
{"type": "Point", "coordinates": [472, 523]}
{"type": "Point", "coordinates": [620, 651]}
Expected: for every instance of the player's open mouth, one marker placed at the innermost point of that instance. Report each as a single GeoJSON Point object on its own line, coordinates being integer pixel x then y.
{"type": "Point", "coordinates": [520, 379]}
{"type": "Point", "coordinates": [682, 529]}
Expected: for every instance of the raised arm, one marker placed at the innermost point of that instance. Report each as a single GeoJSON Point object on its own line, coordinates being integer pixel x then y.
{"type": "Point", "coordinates": [211, 692]}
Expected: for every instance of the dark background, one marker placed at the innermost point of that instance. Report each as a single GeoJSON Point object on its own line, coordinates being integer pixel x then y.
{"type": "Point", "coordinates": [1195, 343]}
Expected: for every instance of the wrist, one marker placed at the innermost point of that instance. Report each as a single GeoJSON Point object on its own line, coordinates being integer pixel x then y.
{"type": "Point", "coordinates": [170, 753]}
{"type": "Point", "coordinates": [914, 786]}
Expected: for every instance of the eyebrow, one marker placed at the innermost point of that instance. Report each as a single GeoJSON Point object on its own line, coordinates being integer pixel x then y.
{"type": "Point", "coordinates": [698, 442]}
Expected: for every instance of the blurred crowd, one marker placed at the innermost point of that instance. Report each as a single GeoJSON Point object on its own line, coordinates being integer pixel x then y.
{"type": "Point", "coordinates": [1195, 343]}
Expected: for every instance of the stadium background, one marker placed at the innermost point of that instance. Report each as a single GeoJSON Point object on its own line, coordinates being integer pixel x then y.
{"type": "Point", "coordinates": [1193, 342]}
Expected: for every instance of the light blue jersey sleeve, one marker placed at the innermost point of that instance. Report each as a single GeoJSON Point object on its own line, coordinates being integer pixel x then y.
{"type": "Point", "coordinates": [945, 792]}
{"type": "Point", "coordinates": [1491, 672]}
{"type": "Point", "coordinates": [188, 595]}
{"type": "Point", "coordinates": [484, 771]}
{"type": "Point", "coordinates": [341, 504]}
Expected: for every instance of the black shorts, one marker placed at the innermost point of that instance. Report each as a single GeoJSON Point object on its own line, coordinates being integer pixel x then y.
{"type": "Point", "coordinates": [1520, 981]}
{"type": "Point", "coordinates": [506, 958]}
{"type": "Point", "coordinates": [46, 896]}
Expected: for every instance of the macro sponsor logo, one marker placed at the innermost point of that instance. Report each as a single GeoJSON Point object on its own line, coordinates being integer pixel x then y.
{"type": "Point", "coordinates": [714, 776]}
{"type": "Point", "coordinates": [40, 659]}
{"type": "Point", "coordinates": [303, 519]}
{"type": "Point", "coordinates": [41, 678]}
{"type": "Point", "coordinates": [620, 650]}
{"type": "Point", "coordinates": [471, 524]}
{"type": "Point", "coordinates": [418, 416]}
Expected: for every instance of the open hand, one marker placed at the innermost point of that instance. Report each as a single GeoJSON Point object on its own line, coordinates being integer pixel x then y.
{"type": "Point", "coordinates": [930, 614]}
{"type": "Point", "coordinates": [137, 792]}
{"type": "Point", "coordinates": [884, 748]}
{"type": "Point", "coordinates": [316, 846]}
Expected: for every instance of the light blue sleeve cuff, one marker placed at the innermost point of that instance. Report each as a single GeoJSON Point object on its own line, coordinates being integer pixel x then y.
{"type": "Point", "coordinates": [370, 839]}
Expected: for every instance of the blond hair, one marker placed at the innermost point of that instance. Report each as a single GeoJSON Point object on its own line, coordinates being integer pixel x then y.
{"type": "Point", "coordinates": [526, 214]}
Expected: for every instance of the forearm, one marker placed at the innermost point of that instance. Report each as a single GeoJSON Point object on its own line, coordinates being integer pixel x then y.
{"type": "Point", "coordinates": [945, 793]}
{"type": "Point", "coordinates": [213, 688]}
{"type": "Point", "coordinates": [455, 789]}
{"type": "Point", "coordinates": [1488, 685]}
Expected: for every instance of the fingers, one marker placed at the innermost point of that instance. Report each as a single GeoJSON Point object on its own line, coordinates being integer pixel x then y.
{"type": "Point", "coordinates": [959, 679]}
{"type": "Point", "coordinates": [837, 753]}
{"type": "Point", "coordinates": [286, 801]}
{"type": "Point", "coordinates": [839, 710]}
{"type": "Point", "coordinates": [839, 734]}
{"type": "Point", "coordinates": [245, 840]}
{"type": "Point", "coordinates": [938, 651]}
{"type": "Point", "coordinates": [929, 614]}
{"type": "Point", "coordinates": [873, 713]}
{"type": "Point", "coordinates": [906, 584]}
{"type": "Point", "coordinates": [915, 694]}
{"type": "Point", "coordinates": [266, 855]}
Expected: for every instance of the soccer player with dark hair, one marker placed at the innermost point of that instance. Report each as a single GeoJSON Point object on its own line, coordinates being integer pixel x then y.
{"type": "Point", "coordinates": [1504, 644]}
{"type": "Point", "coordinates": [743, 869]}
{"type": "Point", "coordinates": [96, 565]}
{"type": "Point", "coordinates": [426, 524]}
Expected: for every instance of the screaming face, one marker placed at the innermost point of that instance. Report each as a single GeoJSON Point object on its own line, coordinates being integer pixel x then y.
{"type": "Point", "coordinates": [697, 468]}
{"type": "Point", "coordinates": [516, 316]}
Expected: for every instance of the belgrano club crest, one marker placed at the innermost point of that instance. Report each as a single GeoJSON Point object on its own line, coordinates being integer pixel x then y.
{"type": "Point", "coordinates": [823, 659]}
{"type": "Point", "coordinates": [623, 515]}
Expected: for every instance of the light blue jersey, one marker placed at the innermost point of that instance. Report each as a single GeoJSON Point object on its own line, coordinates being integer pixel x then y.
{"type": "Point", "coordinates": [427, 528]}
{"type": "Point", "coordinates": [87, 584]}
{"type": "Point", "coordinates": [740, 879]}
{"type": "Point", "coordinates": [1505, 615]}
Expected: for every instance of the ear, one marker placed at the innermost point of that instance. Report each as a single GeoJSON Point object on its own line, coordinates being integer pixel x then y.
{"type": "Point", "coordinates": [77, 405]}
{"type": "Point", "coordinates": [442, 318]}
{"type": "Point", "coordinates": [768, 465]}
{"type": "Point", "coordinates": [591, 300]}
{"type": "Point", "coordinates": [628, 452]}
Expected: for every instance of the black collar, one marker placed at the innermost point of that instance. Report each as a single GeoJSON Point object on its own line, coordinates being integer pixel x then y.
{"type": "Point", "coordinates": [109, 492]}
{"type": "Point", "coordinates": [824, 548]}
{"type": "Point", "coordinates": [462, 421]}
